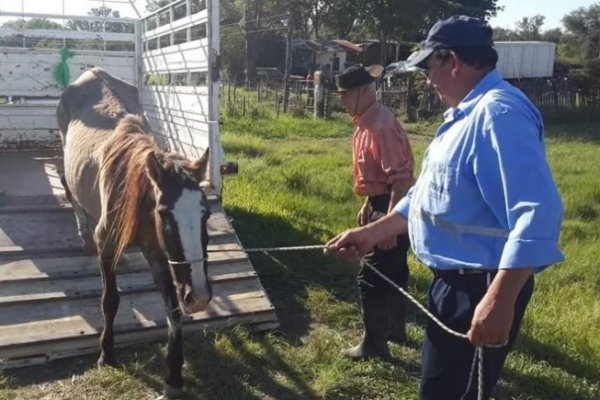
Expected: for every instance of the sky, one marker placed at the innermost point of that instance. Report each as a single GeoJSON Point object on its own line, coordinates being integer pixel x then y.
{"type": "Point", "coordinates": [553, 10]}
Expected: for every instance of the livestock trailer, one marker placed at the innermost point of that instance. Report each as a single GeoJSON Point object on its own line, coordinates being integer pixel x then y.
{"type": "Point", "coordinates": [49, 289]}
{"type": "Point", "coordinates": [525, 59]}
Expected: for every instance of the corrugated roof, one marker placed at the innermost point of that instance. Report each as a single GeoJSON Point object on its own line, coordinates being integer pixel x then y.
{"type": "Point", "coordinates": [326, 46]}
{"type": "Point", "coordinates": [349, 46]}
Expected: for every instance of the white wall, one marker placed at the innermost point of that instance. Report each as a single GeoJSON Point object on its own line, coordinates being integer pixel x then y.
{"type": "Point", "coordinates": [525, 59]}
{"type": "Point", "coordinates": [29, 73]}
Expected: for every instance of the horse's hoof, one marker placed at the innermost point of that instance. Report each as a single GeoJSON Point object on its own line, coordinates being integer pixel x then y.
{"type": "Point", "coordinates": [172, 392]}
{"type": "Point", "coordinates": [105, 361]}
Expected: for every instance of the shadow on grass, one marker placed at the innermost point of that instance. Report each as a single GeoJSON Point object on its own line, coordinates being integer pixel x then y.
{"type": "Point", "coordinates": [557, 357]}
{"type": "Point", "coordinates": [585, 132]}
{"type": "Point", "coordinates": [55, 370]}
{"type": "Point", "coordinates": [250, 369]}
{"type": "Point", "coordinates": [523, 386]}
{"type": "Point", "coordinates": [287, 275]}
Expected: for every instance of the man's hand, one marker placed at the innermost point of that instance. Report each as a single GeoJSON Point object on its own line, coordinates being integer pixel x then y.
{"type": "Point", "coordinates": [353, 243]}
{"type": "Point", "coordinates": [493, 316]}
{"type": "Point", "coordinates": [350, 245]}
{"type": "Point", "coordinates": [491, 322]}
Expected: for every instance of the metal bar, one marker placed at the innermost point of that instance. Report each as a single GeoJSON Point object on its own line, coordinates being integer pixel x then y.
{"type": "Point", "coordinates": [59, 16]}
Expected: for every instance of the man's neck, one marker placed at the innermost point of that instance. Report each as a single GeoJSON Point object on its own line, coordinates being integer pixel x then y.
{"type": "Point", "coordinates": [467, 85]}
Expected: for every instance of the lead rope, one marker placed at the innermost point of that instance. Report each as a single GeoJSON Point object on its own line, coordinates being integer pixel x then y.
{"type": "Point", "coordinates": [478, 356]}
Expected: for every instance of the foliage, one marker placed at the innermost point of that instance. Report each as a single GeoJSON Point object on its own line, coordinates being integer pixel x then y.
{"type": "Point", "coordinates": [32, 23]}
{"type": "Point", "coordinates": [584, 25]}
{"type": "Point", "coordinates": [401, 20]}
{"type": "Point", "coordinates": [153, 5]}
{"type": "Point", "coordinates": [529, 28]}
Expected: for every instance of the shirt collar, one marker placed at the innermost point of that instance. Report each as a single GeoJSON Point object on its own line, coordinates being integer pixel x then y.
{"type": "Point", "coordinates": [490, 80]}
{"type": "Point", "coordinates": [367, 117]}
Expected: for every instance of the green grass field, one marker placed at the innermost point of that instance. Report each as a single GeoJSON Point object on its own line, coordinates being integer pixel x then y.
{"type": "Point", "coordinates": [294, 188]}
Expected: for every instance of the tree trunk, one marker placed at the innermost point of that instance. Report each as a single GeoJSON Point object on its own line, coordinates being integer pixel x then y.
{"type": "Point", "coordinates": [250, 24]}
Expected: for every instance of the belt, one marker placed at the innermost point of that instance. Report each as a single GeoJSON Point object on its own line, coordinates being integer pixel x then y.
{"type": "Point", "coordinates": [462, 271]}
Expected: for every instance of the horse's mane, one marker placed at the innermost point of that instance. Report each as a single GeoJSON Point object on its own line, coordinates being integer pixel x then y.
{"type": "Point", "coordinates": [124, 178]}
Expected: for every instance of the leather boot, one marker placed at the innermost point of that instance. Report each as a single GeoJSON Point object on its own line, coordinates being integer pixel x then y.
{"type": "Point", "coordinates": [375, 317]}
{"type": "Point", "coordinates": [397, 306]}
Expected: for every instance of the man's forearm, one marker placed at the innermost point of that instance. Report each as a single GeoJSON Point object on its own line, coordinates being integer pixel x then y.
{"type": "Point", "coordinates": [393, 224]}
{"type": "Point", "coordinates": [398, 190]}
{"type": "Point", "coordinates": [508, 283]}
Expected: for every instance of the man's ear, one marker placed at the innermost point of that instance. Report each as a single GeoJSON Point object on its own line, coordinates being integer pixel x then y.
{"type": "Point", "coordinates": [455, 64]}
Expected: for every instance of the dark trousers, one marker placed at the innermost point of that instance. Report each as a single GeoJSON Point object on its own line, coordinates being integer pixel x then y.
{"type": "Point", "coordinates": [447, 372]}
{"type": "Point", "coordinates": [392, 262]}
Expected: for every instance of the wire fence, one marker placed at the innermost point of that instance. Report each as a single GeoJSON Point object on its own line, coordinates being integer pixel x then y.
{"type": "Point", "coordinates": [408, 96]}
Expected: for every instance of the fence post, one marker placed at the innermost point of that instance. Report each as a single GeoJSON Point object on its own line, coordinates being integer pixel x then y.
{"type": "Point", "coordinates": [411, 96]}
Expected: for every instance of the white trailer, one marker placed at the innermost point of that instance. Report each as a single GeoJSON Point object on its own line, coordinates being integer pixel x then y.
{"type": "Point", "coordinates": [49, 290]}
{"type": "Point", "coordinates": [517, 60]}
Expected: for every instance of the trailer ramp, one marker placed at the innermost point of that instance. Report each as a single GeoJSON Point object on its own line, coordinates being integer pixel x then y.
{"type": "Point", "coordinates": [50, 291]}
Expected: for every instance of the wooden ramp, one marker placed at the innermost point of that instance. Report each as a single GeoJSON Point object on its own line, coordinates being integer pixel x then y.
{"type": "Point", "coordinates": [50, 291]}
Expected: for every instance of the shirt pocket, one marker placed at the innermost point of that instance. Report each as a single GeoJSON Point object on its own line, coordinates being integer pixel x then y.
{"type": "Point", "coordinates": [441, 187]}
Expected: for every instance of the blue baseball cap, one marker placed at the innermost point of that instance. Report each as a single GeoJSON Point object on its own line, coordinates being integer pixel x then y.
{"type": "Point", "coordinates": [455, 32]}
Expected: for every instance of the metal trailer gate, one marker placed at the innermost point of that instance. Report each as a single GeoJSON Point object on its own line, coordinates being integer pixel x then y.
{"type": "Point", "coordinates": [49, 290]}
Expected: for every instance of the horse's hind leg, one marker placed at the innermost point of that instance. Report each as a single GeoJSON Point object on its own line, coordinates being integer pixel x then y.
{"type": "Point", "coordinates": [110, 294]}
{"type": "Point", "coordinates": [83, 222]}
{"type": "Point", "coordinates": [162, 277]}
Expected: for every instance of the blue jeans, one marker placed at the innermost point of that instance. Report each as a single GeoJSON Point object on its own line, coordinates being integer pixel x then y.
{"type": "Point", "coordinates": [447, 361]}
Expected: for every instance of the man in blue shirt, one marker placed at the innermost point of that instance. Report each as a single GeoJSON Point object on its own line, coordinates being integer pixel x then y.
{"type": "Point", "coordinates": [484, 214]}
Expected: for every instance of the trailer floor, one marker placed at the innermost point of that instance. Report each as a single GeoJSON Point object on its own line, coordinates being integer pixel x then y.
{"type": "Point", "coordinates": [50, 290]}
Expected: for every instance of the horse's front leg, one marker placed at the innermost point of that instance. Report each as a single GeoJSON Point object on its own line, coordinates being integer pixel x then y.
{"type": "Point", "coordinates": [163, 279]}
{"type": "Point", "coordinates": [110, 296]}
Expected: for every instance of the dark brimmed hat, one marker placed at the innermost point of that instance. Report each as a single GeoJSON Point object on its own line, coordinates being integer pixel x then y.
{"type": "Point", "coordinates": [357, 75]}
{"type": "Point", "coordinates": [458, 31]}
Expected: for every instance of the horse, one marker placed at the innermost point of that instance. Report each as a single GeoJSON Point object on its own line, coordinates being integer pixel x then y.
{"type": "Point", "coordinates": [126, 191]}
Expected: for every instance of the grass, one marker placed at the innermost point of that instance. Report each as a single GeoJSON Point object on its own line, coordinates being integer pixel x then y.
{"type": "Point", "coordinates": [294, 188]}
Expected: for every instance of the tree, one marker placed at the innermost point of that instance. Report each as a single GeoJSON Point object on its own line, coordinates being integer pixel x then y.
{"type": "Point", "coordinates": [505, 34]}
{"type": "Point", "coordinates": [153, 5]}
{"type": "Point", "coordinates": [33, 23]}
{"type": "Point", "coordinates": [474, 8]}
{"type": "Point", "coordinates": [553, 35]}
{"type": "Point", "coordinates": [584, 25]}
{"type": "Point", "coordinates": [529, 28]}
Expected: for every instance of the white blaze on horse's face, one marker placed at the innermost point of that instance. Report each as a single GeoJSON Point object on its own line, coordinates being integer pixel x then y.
{"type": "Point", "coordinates": [189, 213]}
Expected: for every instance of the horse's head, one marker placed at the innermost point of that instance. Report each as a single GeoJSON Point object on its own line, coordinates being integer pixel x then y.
{"type": "Point", "coordinates": [181, 214]}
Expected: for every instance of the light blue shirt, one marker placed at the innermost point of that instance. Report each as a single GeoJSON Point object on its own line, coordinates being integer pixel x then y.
{"type": "Point", "coordinates": [485, 197]}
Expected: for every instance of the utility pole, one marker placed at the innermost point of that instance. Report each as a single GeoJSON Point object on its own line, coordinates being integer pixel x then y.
{"type": "Point", "coordinates": [288, 55]}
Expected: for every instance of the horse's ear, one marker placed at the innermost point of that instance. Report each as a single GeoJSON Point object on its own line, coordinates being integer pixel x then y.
{"type": "Point", "coordinates": [153, 167]}
{"type": "Point", "coordinates": [199, 166]}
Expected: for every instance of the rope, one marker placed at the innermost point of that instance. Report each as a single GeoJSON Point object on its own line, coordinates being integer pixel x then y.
{"type": "Point", "coordinates": [478, 356]}
{"type": "Point", "coordinates": [268, 249]}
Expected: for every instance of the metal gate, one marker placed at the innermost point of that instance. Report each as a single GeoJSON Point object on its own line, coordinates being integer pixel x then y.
{"type": "Point", "coordinates": [28, 58]}
{"type": "Point", "coordinates": [179, 78]}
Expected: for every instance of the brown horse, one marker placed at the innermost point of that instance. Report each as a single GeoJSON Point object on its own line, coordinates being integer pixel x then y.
{"type": "Point", "coordinates": [130, 192]}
